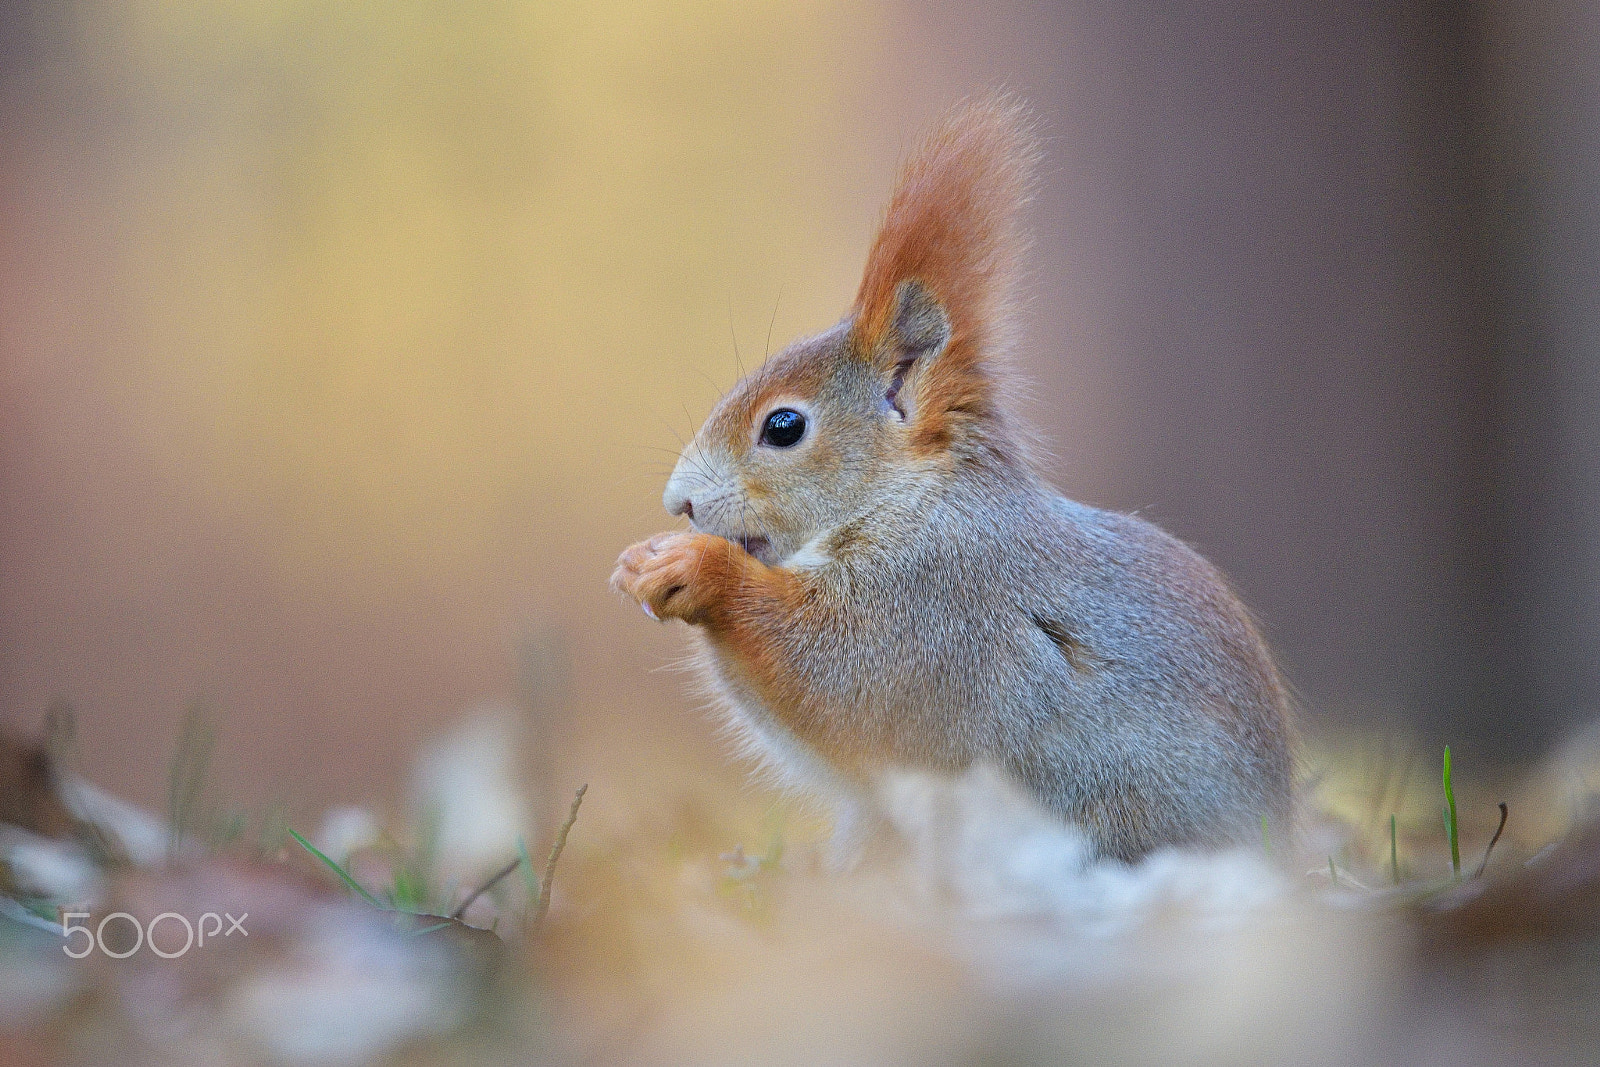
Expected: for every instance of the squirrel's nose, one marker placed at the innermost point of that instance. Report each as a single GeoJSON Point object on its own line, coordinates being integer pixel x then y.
{"type": "Point", "coordinates": [676, 497]}
{"type": "Point", "coordinates": [677, 502]}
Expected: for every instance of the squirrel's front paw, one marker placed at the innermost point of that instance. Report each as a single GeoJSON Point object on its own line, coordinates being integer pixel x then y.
{"type": "Point", "coordinates": [668, 574]}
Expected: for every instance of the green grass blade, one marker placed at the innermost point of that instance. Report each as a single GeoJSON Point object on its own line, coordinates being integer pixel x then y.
{"type": "Point", "coordinates": [1394, 850]}
{"type": "Point", "coordinates": [424, 860]}
{"type": "Point", "coordinates": [186, 777]}
{"type": "Point", "coordinates": [344, 876]}
{"type": "Point", "coordinates": [1450, 818]}
{"type": "Point", "coordinates": [227, 829]}
{"type": "Point", "coordinates": [530, 878]}
{"type": "Point", "coordinates": [409, 892]}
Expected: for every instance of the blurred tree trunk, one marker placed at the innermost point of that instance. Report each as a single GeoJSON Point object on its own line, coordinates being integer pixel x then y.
{"type": "Point", "coordinates": [1540, 126]}
{"type": "Point", "coordinates": [1317, 294]}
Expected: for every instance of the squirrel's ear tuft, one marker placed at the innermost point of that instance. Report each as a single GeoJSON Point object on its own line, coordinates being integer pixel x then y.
{"type": "Point", "coordinates": [942, 267]}
{"type": "Point", "coordinates": [951, 226]}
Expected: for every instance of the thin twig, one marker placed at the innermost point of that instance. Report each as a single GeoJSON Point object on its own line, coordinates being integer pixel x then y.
{"type": "Point", "coordinates": [461, 909]}
{"type": "Point", "coordinates": [1498, 830]}
{"type": "Point", "coordinates": [549, 868]}
{"type": "Point", "coordinates": [555, 854]}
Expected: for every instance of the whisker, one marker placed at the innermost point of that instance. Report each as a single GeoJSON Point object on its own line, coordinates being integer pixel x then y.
{"type": "Point", "coordinates": [698, 468]}
{"type": "Point", "coordinates": [715, 388]}
{"type": "Point", "coordinates": [684, 456]}
{"type": "Point", "coordinates": [733, 334]}
{"type": "Point", "coordinates": [770, 324]}
{"type": "Point", "coordinates": [682, 443]}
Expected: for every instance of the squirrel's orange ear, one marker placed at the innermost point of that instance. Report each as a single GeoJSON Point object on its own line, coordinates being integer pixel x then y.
{"type": "Point", "coordinates": [942, 266]}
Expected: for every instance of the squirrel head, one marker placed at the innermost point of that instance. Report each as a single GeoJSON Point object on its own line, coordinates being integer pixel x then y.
{"type": "Point", "coordinates": [909, 385]}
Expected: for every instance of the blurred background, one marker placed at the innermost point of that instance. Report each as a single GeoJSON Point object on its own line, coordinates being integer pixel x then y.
{"type": "Point", "coordinates": [343, 346]}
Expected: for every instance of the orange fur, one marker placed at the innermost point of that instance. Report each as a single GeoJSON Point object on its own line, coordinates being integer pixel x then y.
{"type": "Point", "coordinates": [744, 606]}
{"type": "Point", "coordinates": [708, 581]}
{"type": "Point", "coordinates": [952, 227]}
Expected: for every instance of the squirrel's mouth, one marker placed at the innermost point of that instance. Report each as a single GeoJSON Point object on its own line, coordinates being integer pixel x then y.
{"type": "Point", "coordinates": [759, 547]}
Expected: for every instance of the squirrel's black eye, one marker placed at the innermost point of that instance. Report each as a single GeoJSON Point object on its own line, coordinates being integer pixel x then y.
{"type": "Point", "coordinates": [783, 428]}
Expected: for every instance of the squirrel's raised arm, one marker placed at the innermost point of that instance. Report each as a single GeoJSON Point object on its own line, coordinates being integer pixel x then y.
{"type": "Point", "coordinates": [933, 309]}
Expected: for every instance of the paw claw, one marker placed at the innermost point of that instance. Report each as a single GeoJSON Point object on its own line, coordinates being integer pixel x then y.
{"type": "Point", "coordinates": [665, 574]}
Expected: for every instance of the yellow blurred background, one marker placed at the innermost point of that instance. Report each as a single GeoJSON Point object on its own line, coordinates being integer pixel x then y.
{"type": "Point", "coordinates": [345, 345]}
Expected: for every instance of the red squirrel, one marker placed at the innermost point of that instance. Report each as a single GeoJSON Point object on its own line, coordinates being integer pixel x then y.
{"type": "Point", "coordinates": [880, 579]}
